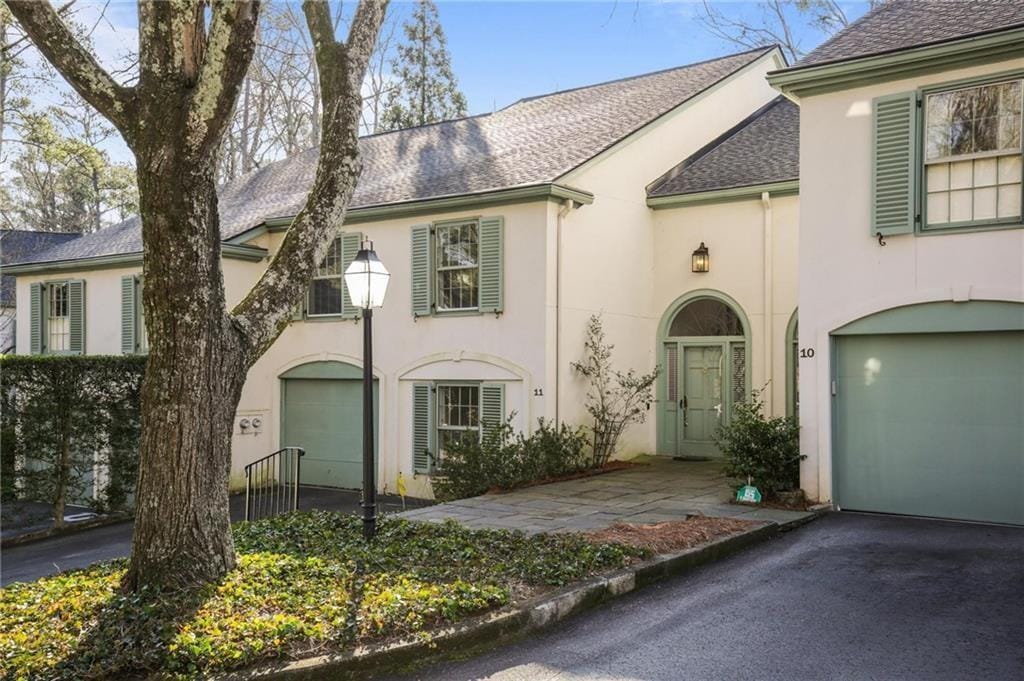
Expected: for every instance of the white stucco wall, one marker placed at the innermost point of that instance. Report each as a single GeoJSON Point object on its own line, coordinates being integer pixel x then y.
{"type": "Point", "coordinates": [736, 236]}
{"type": "Point", "coordinates": [845, 274]}
{"type": "Point", "coordinates": [508, 348]}
{"type": "Point", "coordinates": [610, 261]}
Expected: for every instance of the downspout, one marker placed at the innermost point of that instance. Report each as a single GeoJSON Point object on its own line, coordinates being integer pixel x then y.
{"type": "Point", "coordinates": [769, 298]}
{"type": "Point", "coordinates": [563, 210]}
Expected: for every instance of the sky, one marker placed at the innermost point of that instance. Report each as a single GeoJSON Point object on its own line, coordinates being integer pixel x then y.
{"type": "Point", "coordinates": [504, 51]}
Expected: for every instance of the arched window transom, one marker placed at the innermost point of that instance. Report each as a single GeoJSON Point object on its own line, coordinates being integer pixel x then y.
{"type": "Point", "coordinates": [706, 317]}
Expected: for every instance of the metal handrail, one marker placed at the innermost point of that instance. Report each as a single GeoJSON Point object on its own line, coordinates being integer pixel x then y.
{"type": "Point", "coordinates": [272, 483]}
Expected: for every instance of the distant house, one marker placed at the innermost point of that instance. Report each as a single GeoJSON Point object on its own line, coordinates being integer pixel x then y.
{"type": "Point", "coordinates": [17, 245]}
{"type": "Point", "coordinates": [504, 233]}
{"type": "Point", "coordinates": [911, 332]}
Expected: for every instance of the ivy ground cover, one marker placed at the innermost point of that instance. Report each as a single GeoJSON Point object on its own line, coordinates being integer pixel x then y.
{"type": "Point", "coordinates": [306, 583]}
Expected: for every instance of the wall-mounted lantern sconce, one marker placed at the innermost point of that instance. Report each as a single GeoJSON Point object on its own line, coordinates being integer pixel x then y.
{"type": "Point", "coordinates": [701, 261]}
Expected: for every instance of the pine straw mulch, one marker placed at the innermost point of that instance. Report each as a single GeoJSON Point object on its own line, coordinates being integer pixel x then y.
{"type": "Point", "coordinates": [673, 535]}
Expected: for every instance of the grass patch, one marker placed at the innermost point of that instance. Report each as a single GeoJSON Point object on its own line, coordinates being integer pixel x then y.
{"type": "Point", "coordinates": [305, 583]}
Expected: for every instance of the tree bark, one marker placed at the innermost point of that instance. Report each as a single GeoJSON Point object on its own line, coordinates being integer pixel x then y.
{"type": "Point", "coordinates": [174, 120]}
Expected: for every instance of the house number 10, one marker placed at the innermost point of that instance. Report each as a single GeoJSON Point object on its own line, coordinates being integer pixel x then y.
{"type": "Point", "coordinates": [806, 353]}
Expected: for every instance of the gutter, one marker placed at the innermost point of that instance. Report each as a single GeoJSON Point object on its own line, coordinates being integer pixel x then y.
{"type": "Point", "coordinates": [814, 79]}
{"type": "Point", "coordinates": [720, 195]}
{"type": "Point", "coordinates": [539, 192]}
{"type": "Point", "coordinates": [228, 250]}
{"type": "Point", "coordinates": [769, 296]}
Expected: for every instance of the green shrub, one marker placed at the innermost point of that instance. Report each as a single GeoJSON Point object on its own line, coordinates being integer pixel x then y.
{"type": "Point", "coordinates": [62, 415]}
{"type": "Point", "coordinates": [305, 583]}
{"type": "Point", "coordinates": [503, 460]}
{"type": "Point", "coordinates": [765, 451]}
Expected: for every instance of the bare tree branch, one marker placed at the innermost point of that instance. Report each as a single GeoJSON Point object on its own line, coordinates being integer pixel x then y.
{"type": "Point", "coordinates": [43, 24]}
{"type": "Point", "coordinates": [264, 313]}
{"type": "Point", "coordinates": [228, 52]}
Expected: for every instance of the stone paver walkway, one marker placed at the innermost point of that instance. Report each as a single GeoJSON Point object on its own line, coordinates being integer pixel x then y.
{"type": "Point", "coordinates": [661, 490]}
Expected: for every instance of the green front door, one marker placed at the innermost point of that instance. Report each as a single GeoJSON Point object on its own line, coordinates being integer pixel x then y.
{"type": "Point", "coordinates": [325, 417]}
{"type": "Point", "coordinates": [702, 396]}
{"type": "Point", "coordinates": [931, 424]}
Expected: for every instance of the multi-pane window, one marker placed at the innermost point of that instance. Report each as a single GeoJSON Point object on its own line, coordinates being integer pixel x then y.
{"type": "Point", "coordinates": [458, 416]}
{"type": "Point", "coordinates": [458, 266]}
{"type": "Point", "coordinates": [972, 154]}
{"type": "Point", "coordinates": [58, 318]}
{"type": "Point", "coordinates": [325, 291]}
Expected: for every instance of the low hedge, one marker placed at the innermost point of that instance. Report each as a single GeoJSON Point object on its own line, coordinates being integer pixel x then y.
{"type": "Point", "coordinates": [306, 583]}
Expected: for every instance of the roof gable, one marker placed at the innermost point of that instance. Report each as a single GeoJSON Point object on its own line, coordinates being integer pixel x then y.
{"type": "Point", "coordinates": [764, 148]}
{"type": "Point", "coordinates": [533, 141]}
{"type": "Point", "coordinates": [904, 24]}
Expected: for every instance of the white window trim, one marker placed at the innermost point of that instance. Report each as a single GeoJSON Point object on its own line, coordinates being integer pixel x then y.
{"type": "Point", "coordinates": [438, 268]}
{"type": "Point", "coordinates": [436, 395]}
{"type": "Point", "coordinates": [45, 331]}
{"type": "Point", "coordinates": [320, 277]}
{"type": "Point", "coordinates": [923, 227]}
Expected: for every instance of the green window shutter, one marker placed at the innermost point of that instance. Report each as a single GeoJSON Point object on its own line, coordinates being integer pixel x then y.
{"type": "Point", "coordinates": [421, 271]}
{"type": "Point", "coordinates": [894, 167]}
{"type": "Point", "coordinates": [422, 427]}
{"type": "Point", "coordinates": [492, 405]}
{"type": "Point", "coordinates": [76, 312]}
{"type": "Point", "coordinates": [491, 275]}
{"type": "Point", "coordinates": [35, 318]}
{"type": "Point", "coordinates": [129, 342]}
{"type": "Point", "coordinates": [350, 243]}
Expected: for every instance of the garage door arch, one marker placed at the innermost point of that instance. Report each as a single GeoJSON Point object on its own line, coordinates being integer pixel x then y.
{"type": "Point", "coordinates": [322, 411]}
{"type": "Point", "coordinates": [926, 412]}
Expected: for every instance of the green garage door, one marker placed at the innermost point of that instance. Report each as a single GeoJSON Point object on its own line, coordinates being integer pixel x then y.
{"type": "Point", "coordinates": [324, 417]}
{"type": "Point", "coordinates": [931, 424]}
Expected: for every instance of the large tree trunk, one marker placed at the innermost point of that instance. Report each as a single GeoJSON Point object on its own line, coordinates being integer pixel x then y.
{"type": "Point", "coordinates": [174, 120]}
{"type": "Point", "coordinates": [194, 377]}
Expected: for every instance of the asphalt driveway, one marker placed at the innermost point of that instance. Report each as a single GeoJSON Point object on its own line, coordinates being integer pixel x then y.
{"type": "Point", "coordinates": [849, 596]}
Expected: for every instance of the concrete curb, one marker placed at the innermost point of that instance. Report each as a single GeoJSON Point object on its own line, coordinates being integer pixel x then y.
{"type": "Point", "coordinates": [511, 622]}
{"type": "Point", "coordinates": [73, 528]}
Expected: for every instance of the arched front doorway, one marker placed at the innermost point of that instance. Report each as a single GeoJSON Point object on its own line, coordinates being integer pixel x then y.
{"type": "Point", "coordinates": [703, 342]}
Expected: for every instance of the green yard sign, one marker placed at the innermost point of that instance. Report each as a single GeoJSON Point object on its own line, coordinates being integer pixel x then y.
{"type": "Point", "coordinates": [748, 493]}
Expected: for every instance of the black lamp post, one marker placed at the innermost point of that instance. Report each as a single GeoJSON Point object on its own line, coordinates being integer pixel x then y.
{"type": "Point", "coordinates": [367, 282]}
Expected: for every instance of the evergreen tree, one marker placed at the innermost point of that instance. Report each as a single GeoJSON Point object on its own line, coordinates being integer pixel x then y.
{"type": "Point", "coordinates": [426, 90]}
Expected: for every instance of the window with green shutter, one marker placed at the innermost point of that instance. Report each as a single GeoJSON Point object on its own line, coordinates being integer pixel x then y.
{"type": "Point", "coordinates": [57, 317]}
{"type": "Point", "coordinates": [894, 164]}
{"type": "Point", "coordinates": [445, 413]}
{"type": "Point", "coordinates": [457, 266]}
{"type": "Point", "coordinates": [327, 295]}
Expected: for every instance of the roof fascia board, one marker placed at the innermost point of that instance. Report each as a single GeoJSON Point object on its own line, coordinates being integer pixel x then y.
{"type": "Point", "coordinates": [364, 214]}
{"type": "Point", "coordinates": [843, 75]}
{"type": "Point", "coordinates": [232, 251]}
{"type": "Point", "coordinates": [775, 54]}
{"type": "Point", "coordinates": [723, 195]}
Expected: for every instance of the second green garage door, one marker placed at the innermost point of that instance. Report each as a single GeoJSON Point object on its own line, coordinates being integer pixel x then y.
{"type": "Point", "coordinates": [931, 424]}
{"type": "Point", "coordinates": [324, 416]}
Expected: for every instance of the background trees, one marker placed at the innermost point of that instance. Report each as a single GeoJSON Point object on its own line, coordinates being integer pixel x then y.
{"type": "Point", "coordinates": [425, 88]}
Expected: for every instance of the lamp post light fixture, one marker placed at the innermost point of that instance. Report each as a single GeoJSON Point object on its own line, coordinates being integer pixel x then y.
{"type": "Point", "coordinates": [701, 260]}
{"type": "Point", "coordinates": [367, 282]}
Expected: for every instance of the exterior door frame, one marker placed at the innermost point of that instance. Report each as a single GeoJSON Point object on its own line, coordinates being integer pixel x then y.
{"type": "Point", "coordinates": [726, 343]}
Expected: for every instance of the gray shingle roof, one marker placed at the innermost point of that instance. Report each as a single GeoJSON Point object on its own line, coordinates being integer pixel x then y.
{"type": "Point", "coordinates": [763, 148]}
{"type": "Point", "coordinates": [534, 141]}
{"type": "Point", "coordinates": [902, 24]}
{"type": "Point", "coordinates": [17, 245]}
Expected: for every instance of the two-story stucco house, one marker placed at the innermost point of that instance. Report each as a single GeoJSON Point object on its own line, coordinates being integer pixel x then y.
{"type": "Point", "coordinates": [504, 233]}
{"type": "Point", "coordinates": [911, 333]}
